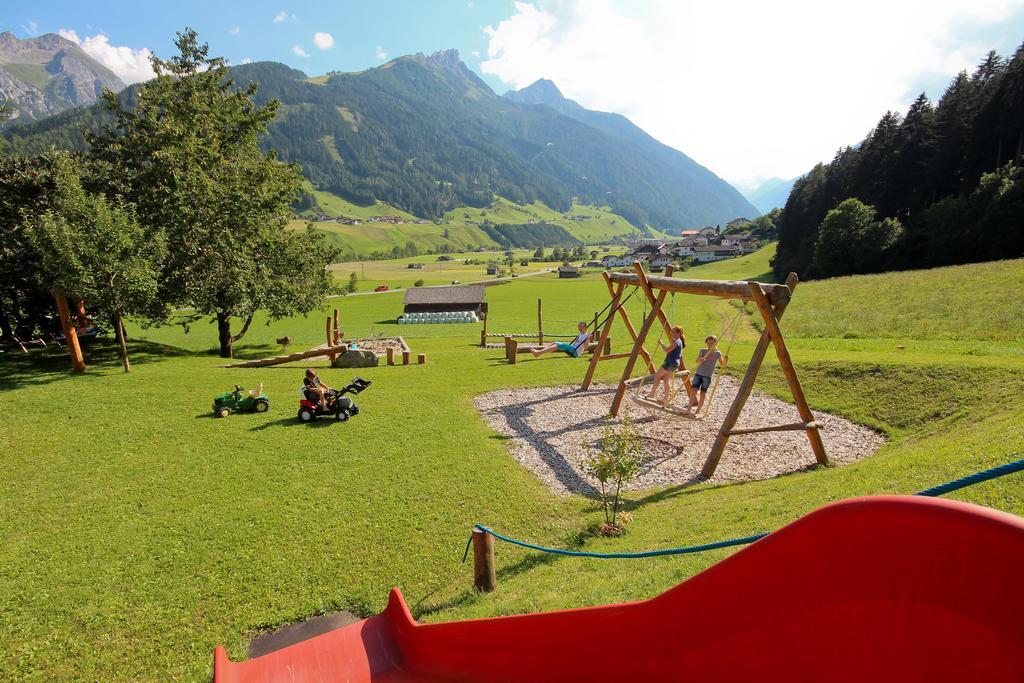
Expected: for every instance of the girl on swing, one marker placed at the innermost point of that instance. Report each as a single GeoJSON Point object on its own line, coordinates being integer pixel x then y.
{"type": "Point", "coordinates": [673, 359]}
{"type": "Point", "coordinates": [574, 349]}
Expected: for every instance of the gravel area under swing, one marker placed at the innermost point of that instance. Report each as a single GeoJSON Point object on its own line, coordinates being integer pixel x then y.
{"type": "Point", "coordinates": [549, 425]}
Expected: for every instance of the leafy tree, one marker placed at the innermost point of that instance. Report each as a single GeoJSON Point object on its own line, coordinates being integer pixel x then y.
{"type": "Point", "coordinates": [353, 282]}
{"type": "Point", "coordinates": [93, 248]}
{"type": "Point", "coordinates": [188, 157]}
{"type": "Point", "coordinates": [539, 253]}
{"type": "Point", "coordinates": [851, 241]}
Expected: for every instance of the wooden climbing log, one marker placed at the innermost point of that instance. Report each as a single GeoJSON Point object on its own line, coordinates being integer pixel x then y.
{"type": "Point", "coordinates": [337, 329]}
{"type": "Point", "coordinates": [299, 355]}
{"type": "Point", "coordinates": [729, 289]}
{"type": "Point", "coordinates": [391, 355]}
{"type": "Point", "coordinates": [406, 357]}
{"type": "Point", "coordinates": [70, 335]}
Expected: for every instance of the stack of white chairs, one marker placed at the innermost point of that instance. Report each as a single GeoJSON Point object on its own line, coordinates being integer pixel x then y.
{"type": "Point", "coordinates": [438, 317]}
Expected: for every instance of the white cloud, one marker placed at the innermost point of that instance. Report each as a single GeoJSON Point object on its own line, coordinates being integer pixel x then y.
{"type": "Point", "coordinates": [31, 27]}
{"type": "Point", "coordinates": [131, 65]}
{"type": "Point", "coordinates": [297, 49]}
{"type": "Point", "coordinates": [283, 16]}
{"type": "Point", "coordinates": [747, 88]}
{"type": "Point", "coordinates": [235, 30]}
{"type": "Point", "coordinates": [380, 54]}
{"type": "Point", "coordinates": [324, 41]}
{"type": "Point", "coordinates": [475, 53]}
{"type": "Point", "coordinates": [246, 60]}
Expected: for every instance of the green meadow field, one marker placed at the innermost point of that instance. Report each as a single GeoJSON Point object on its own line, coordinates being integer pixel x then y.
{"type": "Point", "coordinates": [138, 532]}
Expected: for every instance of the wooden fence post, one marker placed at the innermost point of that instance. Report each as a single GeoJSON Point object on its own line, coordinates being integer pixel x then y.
{"type": "Point", "coordinates": [540, 323]}
{"type": "Point", "coordinates": [406, 357]}
{"type": "Point", "coordinates": [337, 332]}
{"type": "Point", "coordinates": [421, 358]}
{"type": "Point", "coordinates": [485, 578]}
{"type": "Point", "coordinates": [391, 355]}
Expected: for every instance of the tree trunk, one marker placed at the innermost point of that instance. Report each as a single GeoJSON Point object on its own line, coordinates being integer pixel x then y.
{"type": "Point", "coordinates": [122, 348]}
{"type": "Point", "coordinates": [6, 329]}
{"type": "Point", "coordinates": [245, 328]}
{"type": "Point", "coordinates": [224, 334]}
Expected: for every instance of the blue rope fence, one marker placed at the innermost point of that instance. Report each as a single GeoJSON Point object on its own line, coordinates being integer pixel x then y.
{"type": "Point", "coordinates": [941, 489]}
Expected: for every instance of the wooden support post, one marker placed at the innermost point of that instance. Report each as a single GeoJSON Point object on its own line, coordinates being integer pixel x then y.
{"type": "Point", "coordinates": [795, 426]}
{"type": "Point", "coordinates": [607, 349]}
{"type": "Point", "coordinates": [485, 576]}
{"type": "Point", "coordinates": [645, 329]}
{"type": "Point", "coordinates": [70, 335]}
{"type": "Point", "coordinates": [421, 358]}
{"type": "Point", "coordinates": [616, 293]}
{"type": "Point", "coordinates": [81, 316]}
{"type": "Point", "coordinates": [406, 357]}
{"type": "Point", "coordinates": [771, 326]}
{"type": "Point", "coordinates": [649, 292]}
{"type": "Point", "coordinates": [540, 322]}
{"type": "Point", "coordinates": [337, 329]}
{"type": "Point", "coordinates": [746, 386]}
{"type": "Point", "coordinates": [511, 349]}
{"type": "Point", "coordinates": [391, 355]}
{"type": "Point", "coordinates": [483, 334]}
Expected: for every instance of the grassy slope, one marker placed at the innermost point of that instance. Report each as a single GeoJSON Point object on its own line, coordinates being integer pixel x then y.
{"type": "Point", "coordinates": [601, 225]}
{"type": "Point", "coordinates": [137, 532]}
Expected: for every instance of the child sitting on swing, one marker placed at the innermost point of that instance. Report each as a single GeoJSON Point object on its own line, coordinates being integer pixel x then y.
{"type": "Point", "coordinates": [706, 359]}
{"type": "Point", "coordinates": [574, 349]}
{"type": "Point", "coordinates": [674, 349]}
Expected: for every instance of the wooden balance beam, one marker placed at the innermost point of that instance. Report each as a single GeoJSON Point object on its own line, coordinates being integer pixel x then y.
{"type": "Point", "coordinates": [513, 347]}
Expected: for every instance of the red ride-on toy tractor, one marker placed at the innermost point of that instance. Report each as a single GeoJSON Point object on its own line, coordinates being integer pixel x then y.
{"type": "Point", "coordinates": [338, 405]}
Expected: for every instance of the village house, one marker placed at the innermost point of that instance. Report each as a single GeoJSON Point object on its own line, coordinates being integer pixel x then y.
{"type": "Point", "coordinates": [659, 262]}
{"type": "Point", "coordinates": [568, 271]}
{"type": "Point", "coordinates": [715, 253]}
{"type": "Point", "coordinates": [617, 261]}
{"type": "Point", "coordinates": [593, 264]}
{"type": "Point", "coordinates": [417, 266]}
{"type": "Point", "coordinates": [737, 223]}
{"type": "Point", "coordinates": [492, 270]}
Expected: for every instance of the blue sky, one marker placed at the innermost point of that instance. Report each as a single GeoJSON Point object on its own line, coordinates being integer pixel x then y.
{"type": "Point", "coordinates": [750, 89]}
{"type": "Point", "coordinates": [362, 31]}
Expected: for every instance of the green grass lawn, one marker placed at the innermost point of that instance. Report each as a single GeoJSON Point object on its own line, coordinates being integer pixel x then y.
{"type": "Point", "coordinates": [138, 532]}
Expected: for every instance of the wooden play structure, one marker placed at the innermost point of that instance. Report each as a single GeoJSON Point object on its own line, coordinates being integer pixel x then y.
{"type": "Point", "coordinates": [771, 301]}
{"type": "Point", "coordinates": [333, 348]}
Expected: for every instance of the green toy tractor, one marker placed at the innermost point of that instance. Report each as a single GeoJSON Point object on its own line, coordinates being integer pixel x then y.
{"type": "Point", "coordinates": [241, 401]}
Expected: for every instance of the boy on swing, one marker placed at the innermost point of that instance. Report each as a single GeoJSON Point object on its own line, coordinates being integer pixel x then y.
{"type": "Point", "coordinates": [707, 358]}
{"type": "Point", "coordinates": [674, 349]}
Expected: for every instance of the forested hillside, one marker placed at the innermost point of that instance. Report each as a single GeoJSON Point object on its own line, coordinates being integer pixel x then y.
{"type": "Point", "coordinates": [942, 185]}
{"type": "Point", "coordinates": [426, 135]}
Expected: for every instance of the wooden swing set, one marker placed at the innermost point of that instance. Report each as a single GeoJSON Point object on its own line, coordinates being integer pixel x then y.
{"type": "Point", "coordinates": [771, 301]}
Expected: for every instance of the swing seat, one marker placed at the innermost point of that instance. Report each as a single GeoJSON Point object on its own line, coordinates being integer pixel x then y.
{"type": "Point", "coordinates": [671, 408]}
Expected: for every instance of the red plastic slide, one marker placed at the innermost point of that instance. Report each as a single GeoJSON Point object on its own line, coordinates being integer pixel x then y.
{"type": "Point", "coordinates": [884, 588]}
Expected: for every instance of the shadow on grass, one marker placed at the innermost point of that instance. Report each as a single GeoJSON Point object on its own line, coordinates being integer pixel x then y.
{"type": "Point", "coordinates": [52, 364]}
{"type": "Point", "coordinates": [293, 421]}
{"type": "Point", "coordinates": [522, 566]}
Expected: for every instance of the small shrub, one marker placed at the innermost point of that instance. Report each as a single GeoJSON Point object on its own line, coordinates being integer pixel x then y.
{"type": "Point", "coordinates": [418, 283]}
{"type": "Point", "coordinates": [615, 461]}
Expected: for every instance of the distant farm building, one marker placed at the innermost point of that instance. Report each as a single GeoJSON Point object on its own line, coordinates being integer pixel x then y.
{"type": "Point", "coordinates": [492, 270]}
{"type": "Point", "coordinates": [568, 271]}
{"type": "Point", "coordinates": [417, 266]}
{"type": "Point", "coordinates": [469, 299]}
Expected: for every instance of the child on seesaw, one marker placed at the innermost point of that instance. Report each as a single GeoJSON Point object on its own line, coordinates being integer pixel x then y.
{"type": "Point", "coordinates": [706, 359]}
{"type": "Point", "coordinates": [574, 349]}
{"type": "Point", "coordinates": [674, 349]}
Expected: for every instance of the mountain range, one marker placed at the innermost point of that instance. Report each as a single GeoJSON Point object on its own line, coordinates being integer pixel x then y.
{"type": "Point", "coordinates": [771, 194]}
{"type": "Point", "coordinates": [46, 75]}
{"type": "Point", "coordinates": [426, 134]}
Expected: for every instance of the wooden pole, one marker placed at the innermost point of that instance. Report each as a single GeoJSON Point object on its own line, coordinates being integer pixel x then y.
{"type": "Point", "coordinates": [485, 576]}
{"type": "Point", "coordinates": [645, 285]}
{"type": "Point", "coordinates": [337, 329]}
{"type": "Point", "coordinates": [421, 358]}
{"type": "Point", "coordinates": [605, 330]}
{"type": "Point", "coordinates": [80, 314]}
{"type": "Point", "coordinates": [483, 334]}
{"type": "Point", "coordinates": [728, 289]}
{"type": "Point", "coordinates": [406, 357]}
{"type": "Point", "coordinates": [789, 370]}
{"type": "Point", "coordinates": [746, 386]}
{"type": "Point", "coordinates": [795, 426]}
{"type": "Point", "coordinates": [540, 322]}
{"type": "Point", "coordinates": [511, 349]}
{"type": "Point", "coordinates": [70, 335]}
{"type": "Point", "coordinates": [641, 338]}
{"type": "Point", "coordinates": [391, 355]}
